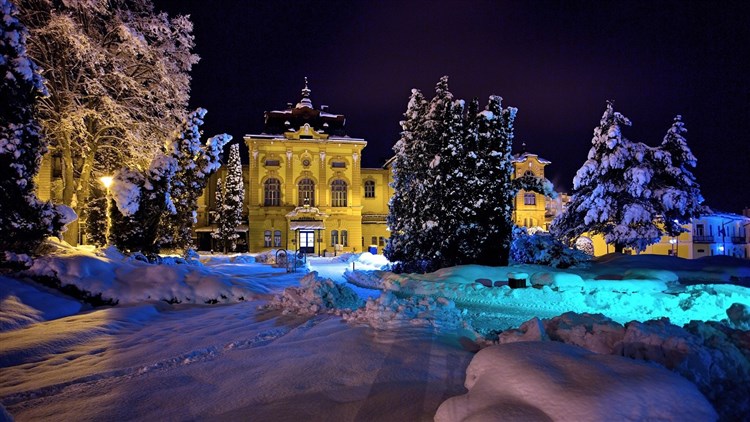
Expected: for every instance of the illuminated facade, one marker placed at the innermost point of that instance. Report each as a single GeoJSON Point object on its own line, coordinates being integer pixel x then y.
{"type": "Point", "coordinates": [305, 188]}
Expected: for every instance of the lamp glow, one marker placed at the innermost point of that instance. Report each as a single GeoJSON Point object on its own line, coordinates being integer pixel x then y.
{"type": "Point", "coordinates": [106, 181]}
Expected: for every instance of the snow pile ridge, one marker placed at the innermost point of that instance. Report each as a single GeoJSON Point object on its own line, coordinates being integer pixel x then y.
{"type": "Point", "coordinates": [316, 295]}
{"type": "Point", "coordinates": [389, 312]}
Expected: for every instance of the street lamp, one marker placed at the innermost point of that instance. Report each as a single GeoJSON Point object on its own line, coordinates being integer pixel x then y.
{"type": "Point", "coordinates": [107, 182]}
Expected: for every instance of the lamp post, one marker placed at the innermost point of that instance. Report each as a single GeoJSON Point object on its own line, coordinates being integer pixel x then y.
{"type": "Point", "coordinates": [107, 182]}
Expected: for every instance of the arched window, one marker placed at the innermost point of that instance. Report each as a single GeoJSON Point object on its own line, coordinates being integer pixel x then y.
{"type": "Point", "coordinates": [272, 193]}
{"type": "Point", "coordinates": [344, 238]}
{"type": "Point", "coordinates": [338, 193]}
{"type": "Point", "coordinates": [529, 173]}
{"type": "Point", "coordinates": [529, 199]}
{"type": "Point", "coordinates": [306, 188]}
{"type": "Point", "coordinates": [370, 189]}
{"type": "Point", "coordinates": [267, 238]}
{"type": "Point", "coordinates": [277, 239]}
{"type": "Point", "coordinates": [334, 237]}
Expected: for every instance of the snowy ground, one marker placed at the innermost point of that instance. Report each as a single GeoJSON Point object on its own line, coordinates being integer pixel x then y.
{"type": "Point", "coordinates": [260, 354]}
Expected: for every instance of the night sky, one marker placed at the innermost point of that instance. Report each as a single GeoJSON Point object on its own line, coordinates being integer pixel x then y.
{"type": "Point", "coordinates": [557, 62]}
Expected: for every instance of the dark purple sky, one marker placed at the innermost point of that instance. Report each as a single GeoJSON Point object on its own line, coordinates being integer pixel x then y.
{"type": "Point", "coordinates": [558, 62]}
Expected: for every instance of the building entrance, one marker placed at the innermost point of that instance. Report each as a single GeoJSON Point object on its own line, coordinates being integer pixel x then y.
{"type": "Point", "coordinates": [307, 241]}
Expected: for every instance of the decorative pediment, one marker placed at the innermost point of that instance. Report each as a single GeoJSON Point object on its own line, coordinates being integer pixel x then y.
{"type": "Point", "coordinates": [305, 132]}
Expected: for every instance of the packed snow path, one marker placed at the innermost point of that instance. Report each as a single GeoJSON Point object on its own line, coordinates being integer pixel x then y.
{"type": "Point", "coordinates": [225, 362]}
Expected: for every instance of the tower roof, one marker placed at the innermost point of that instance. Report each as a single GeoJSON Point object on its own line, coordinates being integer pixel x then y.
{"type": "Point", "coordinates": [277, 122]}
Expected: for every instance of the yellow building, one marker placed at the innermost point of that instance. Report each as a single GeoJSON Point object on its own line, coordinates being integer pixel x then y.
{"type": "Point", "coordinates": [305, 187]}
{"type": "Point", "coordinates": [530, 207]}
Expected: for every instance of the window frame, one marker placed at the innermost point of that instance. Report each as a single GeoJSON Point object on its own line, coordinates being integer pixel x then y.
{"type": "Point", "coordinates": [339, 190]}
{"type": "Point", "coordinates": [270, 186]}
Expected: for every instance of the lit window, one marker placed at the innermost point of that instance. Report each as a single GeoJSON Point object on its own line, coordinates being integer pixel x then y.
{"type": "Point", "coordinates": [306, 188]}
{"type": "Point", "coordinates": [344, 238]}
{"type": "Point", "coordinates": [369, 189]}
{"type": "Point", "coordinates": [267, 238]}
{"type": "Point", "coordinates": [334, 237]}
{"type": "Point", "coordinates": [338, 164]}
{"type": "Point", "coordinates": [272, 193]}
{"type": "Point", "coordinates": [338, 193]}
{"type": "Point", "coordinates": [382, 241]}
{"type": "Point", "coordinates": [529, 199]}
{"type": "Point", "coordinates": [277, 238]}
{"type": "Point", "coordinates": [374, 240]}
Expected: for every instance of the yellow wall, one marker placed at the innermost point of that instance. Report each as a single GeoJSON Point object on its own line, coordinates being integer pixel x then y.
{"type": "Point", "coordinates": [292, 152]}
{"type": "Point", "coordinates": [529, 215]}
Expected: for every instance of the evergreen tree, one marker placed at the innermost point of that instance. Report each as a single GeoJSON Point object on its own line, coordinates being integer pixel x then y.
{"type": "Point", "coordinates": [493, 227]}
{"type": "Point", "coordinates": [676, 185]}
{"type": "Point", "coordinates": [194, 164]}
{"type": "Point", "coordinates": [96, 217]}
{"type": "Point", "coordinates": [142, 200]}
{"type": "Point", "coordinates": [24, 220]}
{"type": "Point", "coordinates": [229, 202]}
{"type": "Point", "coordinates": [403, 216]}
{"type": "Point", "coordinates": [613, 191]}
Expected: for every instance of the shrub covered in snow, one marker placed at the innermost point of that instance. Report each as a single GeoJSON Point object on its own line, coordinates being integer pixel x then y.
{"type": "Point", "coordinates": [542, 249]}
{"type": "Point", "coordinates": [316, 295]}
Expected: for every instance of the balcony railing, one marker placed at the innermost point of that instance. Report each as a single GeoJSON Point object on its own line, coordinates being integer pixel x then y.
{"type": "Point", "coordinates": [703, 239]}
{"type": "Point", "coordinates": [739, 240]}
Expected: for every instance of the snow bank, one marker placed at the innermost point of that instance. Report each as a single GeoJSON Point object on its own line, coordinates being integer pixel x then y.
{"type": "Point", "coordinates": [316, 295]}
{"type": "Point", "coordinates": [390, 312]}
{"type": "Point", "coordinates": [554, 381]}
{"type": "Point", "coordinates": [127, 280]}
{"type": "Point", "coordinates": [23, 303]}
{"type": "Point", "coordinates": [713, 356]}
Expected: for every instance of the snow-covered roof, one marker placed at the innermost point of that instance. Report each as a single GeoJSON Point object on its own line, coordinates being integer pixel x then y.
{"type": "Point", "coordinates": [517, 158]}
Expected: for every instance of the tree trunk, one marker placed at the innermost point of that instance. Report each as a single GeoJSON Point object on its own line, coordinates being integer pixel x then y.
{"type": "Point", "coordinates": [619, 247]}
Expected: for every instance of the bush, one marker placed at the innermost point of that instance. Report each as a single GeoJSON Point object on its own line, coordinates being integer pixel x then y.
{"type": "Point", "coordinates": [542, 249]}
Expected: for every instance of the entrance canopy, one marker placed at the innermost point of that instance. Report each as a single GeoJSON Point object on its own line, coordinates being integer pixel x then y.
{"type": "Point", "coordinates": [306, 225]}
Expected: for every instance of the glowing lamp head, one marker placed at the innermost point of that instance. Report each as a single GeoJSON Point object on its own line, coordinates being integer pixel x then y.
{"type": "Point", "coordinates": [721, 249]}
{"type": "Point", "coordinates": [106, 181]}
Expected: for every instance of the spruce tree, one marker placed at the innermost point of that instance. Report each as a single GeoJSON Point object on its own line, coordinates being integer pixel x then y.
{"type": "Point", "coordinates": [613, 192]}
{"type": "Point", "coordinates": [229, 202]}
{"type": "Point", "coordinates": [403, 218]}
{"type": "Point", "coordinates": [24, 220]}
{"type": "Point", "coordinates": [194, 164]}
{"type": "Point", "coordinates": [679, 193]}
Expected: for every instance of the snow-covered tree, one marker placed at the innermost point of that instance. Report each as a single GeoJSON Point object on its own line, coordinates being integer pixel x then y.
{"type": "Point", "coordinates": [403, 218]}
{"type": "Point", "coordinates": [229, 202]}
{"type": "Point", "coordinates": [676, 186]}
{"type": "Point", "coordinates": [194, 164]}
{"type": "Point", "coordinates": [24, 220]}
{"type": "Point", "coordinates": [117, 74]}
{"type": "Point", "coordinates": [492, 230]}
{"type": "Point", "coordinates": [614, 191]}
{"type": "Point", "coordinates": [142, 200]}
{"type": "Point", "coordinates": [96, 217]}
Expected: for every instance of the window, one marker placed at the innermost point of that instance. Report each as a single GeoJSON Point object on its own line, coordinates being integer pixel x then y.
{"type": "Point", "coordinates": [338, 193]}
{"type": "Point", "coordinates": [338, 164]}
{"type": "Point", "coordinates": [334, 237]}
{"type": "Point", "coordinates": [272, 192]}
{"type": "Point", "coordinates": [273, 163]}
{"type": "Point", "coordinates": [529, 199]}
{"type": "Point", "coordinates": [699, 229]}
{"type": "Point", "coordinates": [369, 189]}
{"type": "Point", "coordinates": [382, 241]}
{"type": "Point", "coordinates": [344, 238]}
{"type": "Point", "coordinates": [374, 240]}
{"type": "Point", "coordinates": [267, 238]}
{"type": "Point", "coordinates": [306, 188]}
{"type": "Point", "coordinates": [277, 238]}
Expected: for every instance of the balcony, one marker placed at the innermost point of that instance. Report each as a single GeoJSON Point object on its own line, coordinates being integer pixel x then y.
{"type": "Point", "coordinates": [739, 240]}
{"type": "Point", "coordinates": [703, 239]}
